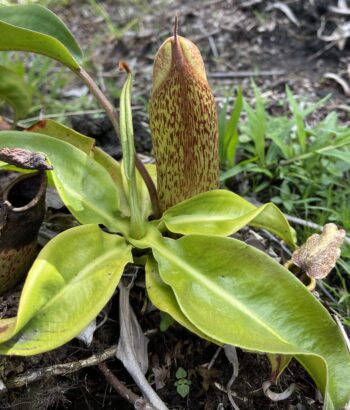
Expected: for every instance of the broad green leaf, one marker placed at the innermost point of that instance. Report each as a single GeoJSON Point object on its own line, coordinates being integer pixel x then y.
{"type": "Point", "coordinates": [114, 169]}
{"type": "Point", "coordinates": [59, 131]}
{"type": "Point", "coordinates": [71, 280]}
{"type": "Point", "coordinates": [87, 145]}
{"type": "Point", "coordinates": [36, 29]}
{"type": "Point", "coordinates": [84, 186]}
{"type": "Point", "coordinates": [221, 212]}
{"type": "Point", "coordinates": [15, 92]}
{"type": "Point", "coordinates": [163, 298]}
{"type": "Point", "coordinates": [238, 295]}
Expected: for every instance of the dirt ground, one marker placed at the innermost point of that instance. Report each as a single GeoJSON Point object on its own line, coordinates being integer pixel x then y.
{"type": "Point", "coordinates": [240, 40]}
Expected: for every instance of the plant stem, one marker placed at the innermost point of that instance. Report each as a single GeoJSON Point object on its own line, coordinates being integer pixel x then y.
{"type": "Point", "coordinates": [35, 375]}
{"type": "Point", "coordinates": [128, 394]}
{"type": "Point", "coordinates": [113, 116]}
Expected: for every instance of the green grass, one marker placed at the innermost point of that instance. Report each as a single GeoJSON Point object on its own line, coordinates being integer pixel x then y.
{"type": "Point", "coordinates": [301, 165]}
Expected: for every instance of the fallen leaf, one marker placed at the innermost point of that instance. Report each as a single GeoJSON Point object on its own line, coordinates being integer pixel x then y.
{"type": "Point", "coordinates": [318, 256]}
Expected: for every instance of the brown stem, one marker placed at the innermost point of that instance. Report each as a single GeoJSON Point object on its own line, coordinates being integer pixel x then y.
{"type": "Point", "coordinates": [150, 186]}
{"type": "Point", "coordinates": [129, 395]}
{"type": "Point", "coordinates": [113, 116]}
{"type": "Point", "coordinates": [35, 375]}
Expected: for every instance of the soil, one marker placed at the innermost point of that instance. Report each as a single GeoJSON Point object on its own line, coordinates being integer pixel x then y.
{"type": "Point", "coordinates": [237, 39]}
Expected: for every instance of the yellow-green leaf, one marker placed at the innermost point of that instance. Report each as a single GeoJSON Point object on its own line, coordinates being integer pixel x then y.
{"type": "Point", "coordinates": [71, 280]}
{"type": "Point", "coordinates": [84, 186]}
{"type": "Point", "coordinates": [238, 295]}
{"type": "Point", "coordinates": [222, 213]}
{"type": "Point", "coordinates": [163, 298]}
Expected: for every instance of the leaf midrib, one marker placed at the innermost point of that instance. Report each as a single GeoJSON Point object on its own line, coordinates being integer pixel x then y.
{"type": "Point", "coordinates": [220, 292]}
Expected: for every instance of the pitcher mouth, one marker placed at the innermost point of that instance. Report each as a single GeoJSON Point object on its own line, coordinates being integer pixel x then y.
{"type": "Point", "coordinates": [25, 191]}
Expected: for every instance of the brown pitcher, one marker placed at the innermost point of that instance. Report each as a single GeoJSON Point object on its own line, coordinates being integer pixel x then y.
{"type": "Point", "coordinates": [22, 210]}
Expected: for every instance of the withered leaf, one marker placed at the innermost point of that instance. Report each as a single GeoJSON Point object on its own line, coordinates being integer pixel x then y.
{"type": "Point", "coordinates": [25, 159]}
{"type": "Point", "coordinates": [318, 255]}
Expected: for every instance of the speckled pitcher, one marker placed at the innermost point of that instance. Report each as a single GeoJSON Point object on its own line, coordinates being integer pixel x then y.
{"type": "Point", "coordinates": [22, 210]}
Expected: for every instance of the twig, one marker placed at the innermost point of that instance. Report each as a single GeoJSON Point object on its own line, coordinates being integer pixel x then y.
{"type": "Point", "coordinates": [231, 354]}
{"type": "Point", "coordinates": [278, 241]}
{"type": "Point", "coordinates": [137, 401]}
{"type": "Point", "coordinates": [70, 114]}
{"type": "Point", "coordinates": [308, 224]}
{"type": "Point", "coordinates": [250, 3]}
{"type": "Point", "coordinates": [278, 396]}
{"type": "Point", "coordinates": [216, 354]}
{"type": "Point", "coordinates": [57, 370]}
{"type": "Point", "coordinates": [321, 51]}
{"type": "Point", "coordinates": [242, 74]}
{"type": "Point", "coordinates": [335, 77]}
{"type": "Point", "coordinates": [285, 10]}
{"type": "Point", "coordinates": [321, 286]}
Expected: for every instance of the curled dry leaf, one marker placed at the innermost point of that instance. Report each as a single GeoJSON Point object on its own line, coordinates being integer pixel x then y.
{"type": "Point", "coordinates": [318, 255]}
{"type": "Point", "coordinates": [25, 159]}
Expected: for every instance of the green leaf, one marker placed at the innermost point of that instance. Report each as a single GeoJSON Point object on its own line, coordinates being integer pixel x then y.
{"type": "Point", "coordinates": [221, 212]}
{"type": "Point", "coordinates": [71, 280]}
{"type": "Point", "coordinates": [257, 124]}
{"type": "Point", "coordinates": [336, 153]}
{"type": "Point", "coordinates": [15, 92]}
{"type": "Point", "coordinates": [165, 321]}
{"type": "Point", "coordinates": [182, 388]}
{"type": "Point", "coordinates": [59, 131]}
{"type": "Point", "coordinates": [180, 373]}
{"type": "Point", "coordinates": [231, 133]}
{"type": "Point", "coordinates": [163, 298]}
{"type": "Point", "coordinates": [298, 118]}
{"type": "Point", "coordinates": [36, 29]}
{"type": "Point", "coordinates": [84, 186]}
{"type": "Point", "coordinates": [137, 227]}
{"type": "Point", "coordinates": [86, 144]}
{"type": "Point", "coordinates": [221, 128]}
{"type": "Point", "coordinates": [114, 169]}
{"type": "Point", "coordinates": [240, 296]}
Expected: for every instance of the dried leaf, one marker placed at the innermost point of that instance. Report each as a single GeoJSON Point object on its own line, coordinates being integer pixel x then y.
{"type": "Point", "coordinates": [161, 375]}
{"type": "Point", "coordinates": [86, 335]}
{"type": "Point", "coordinates": [318, 255]}
{"type": "Point", "coordinates": [132, 348]}
{"type": "Point", "coordinates": [132, 340]}
{"type": "Point", "coordinates": [25, 159]}
{"type": "Point", "coordinates": [209, 376]}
